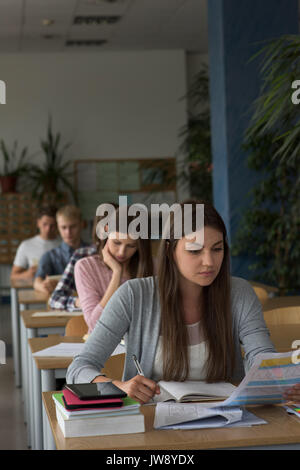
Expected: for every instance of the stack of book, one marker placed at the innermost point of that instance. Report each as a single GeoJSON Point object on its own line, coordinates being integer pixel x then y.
{"type": "Point", "coordinates": [122, 416]}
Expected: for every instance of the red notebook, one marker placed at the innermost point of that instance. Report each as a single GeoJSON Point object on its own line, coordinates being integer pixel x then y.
{"type": "Point", "coordinates": [72, 402]}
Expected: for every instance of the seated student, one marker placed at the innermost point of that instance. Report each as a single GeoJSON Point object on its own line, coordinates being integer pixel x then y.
{"type": "Point", "coordinates": [31, 250]}
{"type": "Point", "coordinates": [53, 262]}
{"type": "Point", "coordinates": [63, 297]}
{"type": "Point", "coordinates": [188, 324]}
{"type": "Point", "coordinates": [98, 277]}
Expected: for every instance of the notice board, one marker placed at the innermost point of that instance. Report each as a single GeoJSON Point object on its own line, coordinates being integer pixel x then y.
{"type": "Point", "coordinates": [145, 181]}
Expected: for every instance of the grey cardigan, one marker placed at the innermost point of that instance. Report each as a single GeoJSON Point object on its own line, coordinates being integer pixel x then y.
{"type": "Point", "coordinates": [133, 312]}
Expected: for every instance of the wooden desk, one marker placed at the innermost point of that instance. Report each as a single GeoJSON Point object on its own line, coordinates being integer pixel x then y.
{"type": "Point", "coordinates": [281, 430]}
{"type": "Point", "coordinates": [282, 336]}
{"type": "Point", "coordinates": [14, 287]}
{"type": "Point", "coordinates": [43, 371]}
{"type": "Point", "coordinates": [32, 297]}
{"type": "Point", "coordinates": [44, 325]}
{"type": "Point", "coordinates": [31, 327]}
{"type": "Point", "coordinates": [279, 302]}
{"type": "Point", "coordinates": [27, 299]}
{"type": "Point", "coordinates": [22, 283]}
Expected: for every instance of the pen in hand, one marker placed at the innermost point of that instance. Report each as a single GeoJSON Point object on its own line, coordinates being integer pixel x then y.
{"type": "Point", "coordinates": [139, 369]}
{"type": "Point", "coordinates": [137, 365]}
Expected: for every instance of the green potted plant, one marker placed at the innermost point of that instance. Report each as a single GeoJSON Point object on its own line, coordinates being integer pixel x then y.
{"type": "Point", "coordinates": [273, 111]}
{"type": "Point", "coordinates": [51, 179]}
{"type": "Point", "coordinates": [270, 228]}
{"type": "Point", "coordinates": [196, 169]}
{"type": "Point", "coordinates": [14, 165]}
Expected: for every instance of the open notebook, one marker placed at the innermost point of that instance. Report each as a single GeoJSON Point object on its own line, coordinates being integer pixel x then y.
{"type": "Point", "coordinates": [193, 391]}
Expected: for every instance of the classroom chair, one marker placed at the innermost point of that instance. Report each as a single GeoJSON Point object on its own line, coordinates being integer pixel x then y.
{"type": "Point", "coordinates": [271, 290]}
{"type": "Point", "coordinates": [282, 316]}
{"type": "Point", "coordinates": [262, 294]}
{"type": "Point", "coordinates": [76, 326]}
{"type": "Point", "coordinates": [114, 367]}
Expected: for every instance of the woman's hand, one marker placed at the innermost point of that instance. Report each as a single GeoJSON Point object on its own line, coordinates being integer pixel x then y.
{"type": "Point", "coordinates": [110, 261]}
{"type": "Point", "coordinates": [139, 388]}
{"type": "Point", "coordinates": [293, 394]}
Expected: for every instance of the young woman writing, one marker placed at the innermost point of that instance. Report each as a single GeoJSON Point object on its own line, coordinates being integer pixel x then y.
{"type": "Point", "coordinates": [97, 277]}
{"type": "Point", "coordinates": [189, 323]}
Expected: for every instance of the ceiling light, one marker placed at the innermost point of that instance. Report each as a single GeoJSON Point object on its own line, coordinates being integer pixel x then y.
{"type": "Point", "coordinates": [47, 22]}
{"type": "Point", "coordinates": [85, 42]}
{"type": "Point", "coordinates": [98, 2]}
{"type": "Point", "coordinates": [96, 19]}
{"type": "Point", "coordinates": [50, 36]}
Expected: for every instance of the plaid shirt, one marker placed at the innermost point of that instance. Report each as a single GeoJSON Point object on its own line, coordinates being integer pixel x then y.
{"type": "Point", "coordinates": [63, 297]}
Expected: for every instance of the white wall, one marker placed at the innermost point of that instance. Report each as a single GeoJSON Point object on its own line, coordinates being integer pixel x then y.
{"type": "Point", "coordinates": [110, 105]}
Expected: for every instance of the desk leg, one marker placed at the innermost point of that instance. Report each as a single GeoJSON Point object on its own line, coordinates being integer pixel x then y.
{"type": "Point", "coordinates": [48, 384]}
{"type": "Point", "coordinates": [23, 345]}
{"type": "Point", "coordinates": [25, 377]}
{"type": "Point", "coordinates": [15, 335]}
{"type": "Point", "coordinates": [37, 406]}
{"type": "Point", "coordinates": [31, 333]}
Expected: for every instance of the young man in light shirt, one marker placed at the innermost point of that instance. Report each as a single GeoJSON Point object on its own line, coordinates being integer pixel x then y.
{"type": "Point", "coordinates": [53, 262]}
{"type": "Point", "coordinates": [31, 250]}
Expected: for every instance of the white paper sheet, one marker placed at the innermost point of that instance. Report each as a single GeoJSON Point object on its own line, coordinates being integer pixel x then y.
{"type": "Point", "coordinates": [266, 381]}
{"type": "Point", "coordinates": [248, 419]}
{"type": "Point", "coordinates": [57, 313]}
{"type": "Point", "coordinates": [61, 350]}
{"type": "Point", "coordinates": [168, 414]}
{"type": "Point", "coordinates": [69, 350]}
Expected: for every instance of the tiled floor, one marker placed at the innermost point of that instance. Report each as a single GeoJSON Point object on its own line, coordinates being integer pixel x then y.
{"type": "Point", "coordinates": [12, 428]}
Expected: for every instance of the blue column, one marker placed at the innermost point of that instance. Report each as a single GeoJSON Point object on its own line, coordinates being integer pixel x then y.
{"type": "Point", "coordinates": [234, 29]}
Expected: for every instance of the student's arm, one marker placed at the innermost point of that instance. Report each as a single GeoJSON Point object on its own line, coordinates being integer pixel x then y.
{"type": "Point", "coordinates": [21, 268]}
{"type": "Point", "coordinates": [44, 285]}
{"type": "Point", "coordinates": [41, 283]}
{"type": "Point", "coordinates": [110, 329]}
{"type": "Point", "coordinates": [18, 272]}
{"type": "Point", "coordinates": [62, 297]}
{"type": "Point", "coordinates": [253, 332]}
{"type": "Point", "coordinates": [138, 388]}
{"type": "Point", "coordinates": [94, 288]}
{"type": "Point", "coordinates": [115, 281]}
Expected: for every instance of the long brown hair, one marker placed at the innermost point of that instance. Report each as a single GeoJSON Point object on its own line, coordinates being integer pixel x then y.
{"type": "Point", "coordinates": [216, 321]}
{"type": "Point", "coordinates": [141, 263]}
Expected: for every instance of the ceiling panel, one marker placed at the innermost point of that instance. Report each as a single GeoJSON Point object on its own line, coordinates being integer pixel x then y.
{"type": "Point", "coordinates": [43, 5]}
{"type": "Point", "coordinates": [9, 44]}
{"type": "Point", "coordinates": [94, 7]}
{"type": "Point", "coordinates": [190, 17]}
{"type": "Point", "coordinates": [145, 24]}
{"type": "Point", "coordinates": [148, 16]}
{"type": "Point", "coordinates": [38, 44]}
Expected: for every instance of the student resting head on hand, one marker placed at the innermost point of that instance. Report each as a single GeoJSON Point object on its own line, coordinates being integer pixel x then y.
{"type": "Point", "coordinates": [119, 258]}
{"type": "Point", "coordinates": [189, 323]}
